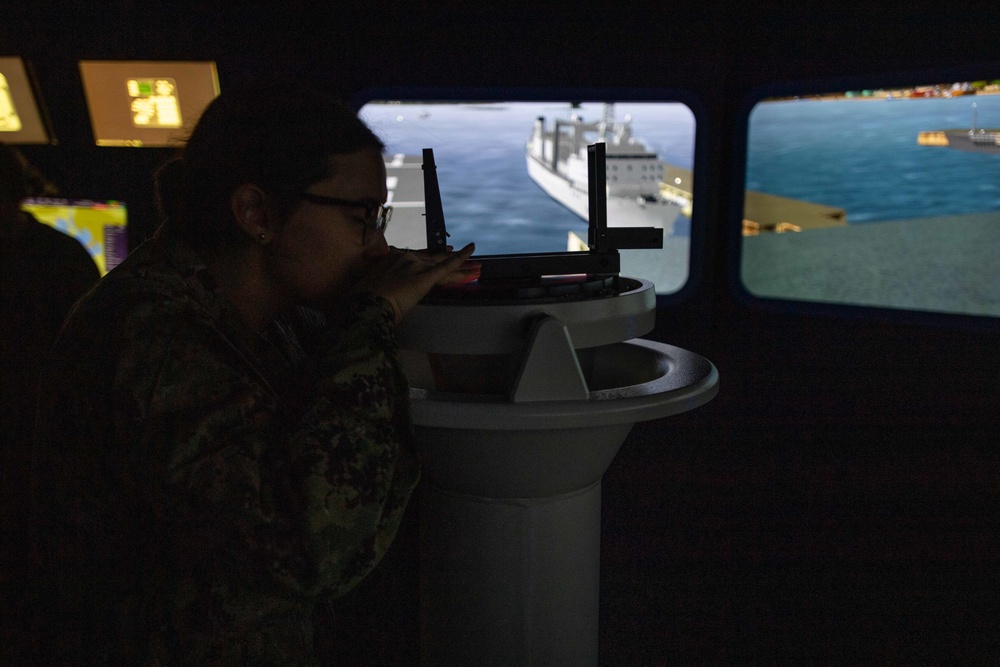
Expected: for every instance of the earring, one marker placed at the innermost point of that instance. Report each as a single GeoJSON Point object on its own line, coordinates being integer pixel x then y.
{"type": "Point", "coordinates": [262, 237]}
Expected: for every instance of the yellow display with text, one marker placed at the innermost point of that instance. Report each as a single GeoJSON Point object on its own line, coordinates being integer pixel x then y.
{"type": "Point", "coordinates": [101, 226]}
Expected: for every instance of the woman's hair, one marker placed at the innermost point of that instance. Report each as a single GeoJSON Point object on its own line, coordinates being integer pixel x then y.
{"type": "Point", "coordinates": [277, 139]}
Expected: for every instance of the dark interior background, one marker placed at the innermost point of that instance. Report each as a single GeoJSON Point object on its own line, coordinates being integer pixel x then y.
{"type": "Point", "coordinates": [838, 500]}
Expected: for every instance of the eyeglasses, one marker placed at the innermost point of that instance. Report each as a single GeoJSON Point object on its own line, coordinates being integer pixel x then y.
{"type": "Point", "coordinates": [376, 215]}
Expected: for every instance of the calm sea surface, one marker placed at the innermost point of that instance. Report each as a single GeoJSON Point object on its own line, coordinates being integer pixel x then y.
{"type": "Point", "coordinates": [862, 155]}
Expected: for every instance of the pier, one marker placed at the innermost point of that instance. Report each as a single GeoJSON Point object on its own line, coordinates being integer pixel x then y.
{"type": "Point", "coordinates": [971, 141]}
{"type": "Point", "coordinates": [762, 212]}
{"type": "Point", "coordinates": [770, 213]}
{"type": "Point", "coordinates": [677, 183]}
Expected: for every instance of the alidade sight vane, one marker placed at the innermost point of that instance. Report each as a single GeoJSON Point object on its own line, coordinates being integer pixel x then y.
{"type": "Point", "coordinates": [602, 258]}
{"type": "Point", "coordinates": [437, 234]}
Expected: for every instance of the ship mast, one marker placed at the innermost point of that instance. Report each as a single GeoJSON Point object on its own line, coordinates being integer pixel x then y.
{"type": "Point", "coordinates": [607, 120]}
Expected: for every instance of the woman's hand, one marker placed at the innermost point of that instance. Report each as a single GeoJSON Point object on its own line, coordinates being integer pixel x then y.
{"type": "Point", "coordinates": [404, 277]}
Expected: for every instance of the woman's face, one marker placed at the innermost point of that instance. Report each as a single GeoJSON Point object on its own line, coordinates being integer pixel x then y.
{"type": "Point", "coordinates": [320, 251]}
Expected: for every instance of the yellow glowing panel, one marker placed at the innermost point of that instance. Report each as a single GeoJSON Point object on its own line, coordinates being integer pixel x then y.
{"type": "Point", "coordinates": [154, 102]}
{"type": "Point", "coordinates": [21, 117]}
{"type": "Point", "coordinates": [9, 120]}
{"type": "Point", "coordinates": [146, 103]}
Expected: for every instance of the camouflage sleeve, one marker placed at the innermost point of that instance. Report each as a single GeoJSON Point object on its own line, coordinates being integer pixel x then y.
{"type": "Point", "coordinates": [357, 456]}
{"type": "Point", "coordinates": [281, 509]}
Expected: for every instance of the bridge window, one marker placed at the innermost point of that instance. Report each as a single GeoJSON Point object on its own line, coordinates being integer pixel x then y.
{"type": "Point", "coordinates": [885, 198]}
{"type": "Point", "coordinates": [508, 185]}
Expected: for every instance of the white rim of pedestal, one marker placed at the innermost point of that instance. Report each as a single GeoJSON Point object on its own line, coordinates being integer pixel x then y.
{"type": "Point", "coordinates": [689, 382]}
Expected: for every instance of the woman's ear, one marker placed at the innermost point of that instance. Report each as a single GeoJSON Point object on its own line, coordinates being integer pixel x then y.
{"type": "Point", "coordinates": [249, 206]}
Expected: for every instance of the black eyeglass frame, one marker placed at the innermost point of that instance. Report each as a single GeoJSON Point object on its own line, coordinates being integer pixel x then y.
{"type": "Point", "coordinates": [377, 215]}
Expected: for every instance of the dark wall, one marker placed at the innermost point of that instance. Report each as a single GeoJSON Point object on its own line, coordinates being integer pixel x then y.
{"type": "Point", "coordinates": [837, 501]}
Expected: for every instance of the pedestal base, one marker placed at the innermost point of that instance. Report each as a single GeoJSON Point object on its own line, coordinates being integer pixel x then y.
{"type": "Point", "coordinates": [510, 581]}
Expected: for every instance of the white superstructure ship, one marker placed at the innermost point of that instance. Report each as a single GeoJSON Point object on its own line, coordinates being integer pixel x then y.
{"type": "Point", "coordinates": [557, 162]}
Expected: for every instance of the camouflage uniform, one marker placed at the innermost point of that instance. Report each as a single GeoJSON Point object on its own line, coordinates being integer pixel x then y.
{"type": "Point", "coordinates": [201, 487]}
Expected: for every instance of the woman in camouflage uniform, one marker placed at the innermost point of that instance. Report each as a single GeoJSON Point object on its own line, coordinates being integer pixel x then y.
{"type": "Point", "coordinates": [223, 435]}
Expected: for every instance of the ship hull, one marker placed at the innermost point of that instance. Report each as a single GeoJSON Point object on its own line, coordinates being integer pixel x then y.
{"type": "Point", "coordinates": [622, 211]}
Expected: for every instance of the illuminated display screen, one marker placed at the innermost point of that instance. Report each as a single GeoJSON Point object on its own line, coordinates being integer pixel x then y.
{"type": "Point", "coordinates": [146, 103]}
{"type": "Point", "coordinates": [513, 175]}
{"type": "Point", "coordinates": [21, 120]}
{"type": "Point", "coordinates": [886, 198]}
{"type": "Point", "coordinates": [99, 225]}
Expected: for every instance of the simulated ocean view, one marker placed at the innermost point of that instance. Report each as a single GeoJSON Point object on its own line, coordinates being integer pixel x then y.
{"type": "Point", "coordinates": [487, 195]}
{"type": "Point", "coordinates": [922, 222]}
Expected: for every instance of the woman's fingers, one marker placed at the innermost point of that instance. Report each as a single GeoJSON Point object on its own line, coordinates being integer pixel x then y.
{"type": "Point", "coordinates": [458, 268]}
{"type": "Point", "coordinates": [405, 277]}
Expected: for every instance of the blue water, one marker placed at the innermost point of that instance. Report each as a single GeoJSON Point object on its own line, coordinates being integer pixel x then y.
{"type": "Point", "coordinates": [479, 151]}
{"type": "Point", "coordinates": [862, 155]}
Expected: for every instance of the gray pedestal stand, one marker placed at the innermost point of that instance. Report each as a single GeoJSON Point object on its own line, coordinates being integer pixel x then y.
{"type": "Point", "coordinates": [511, 498]}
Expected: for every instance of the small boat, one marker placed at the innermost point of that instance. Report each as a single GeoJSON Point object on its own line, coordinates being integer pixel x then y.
{"type": "Point", "coordinates": [557, 161]}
